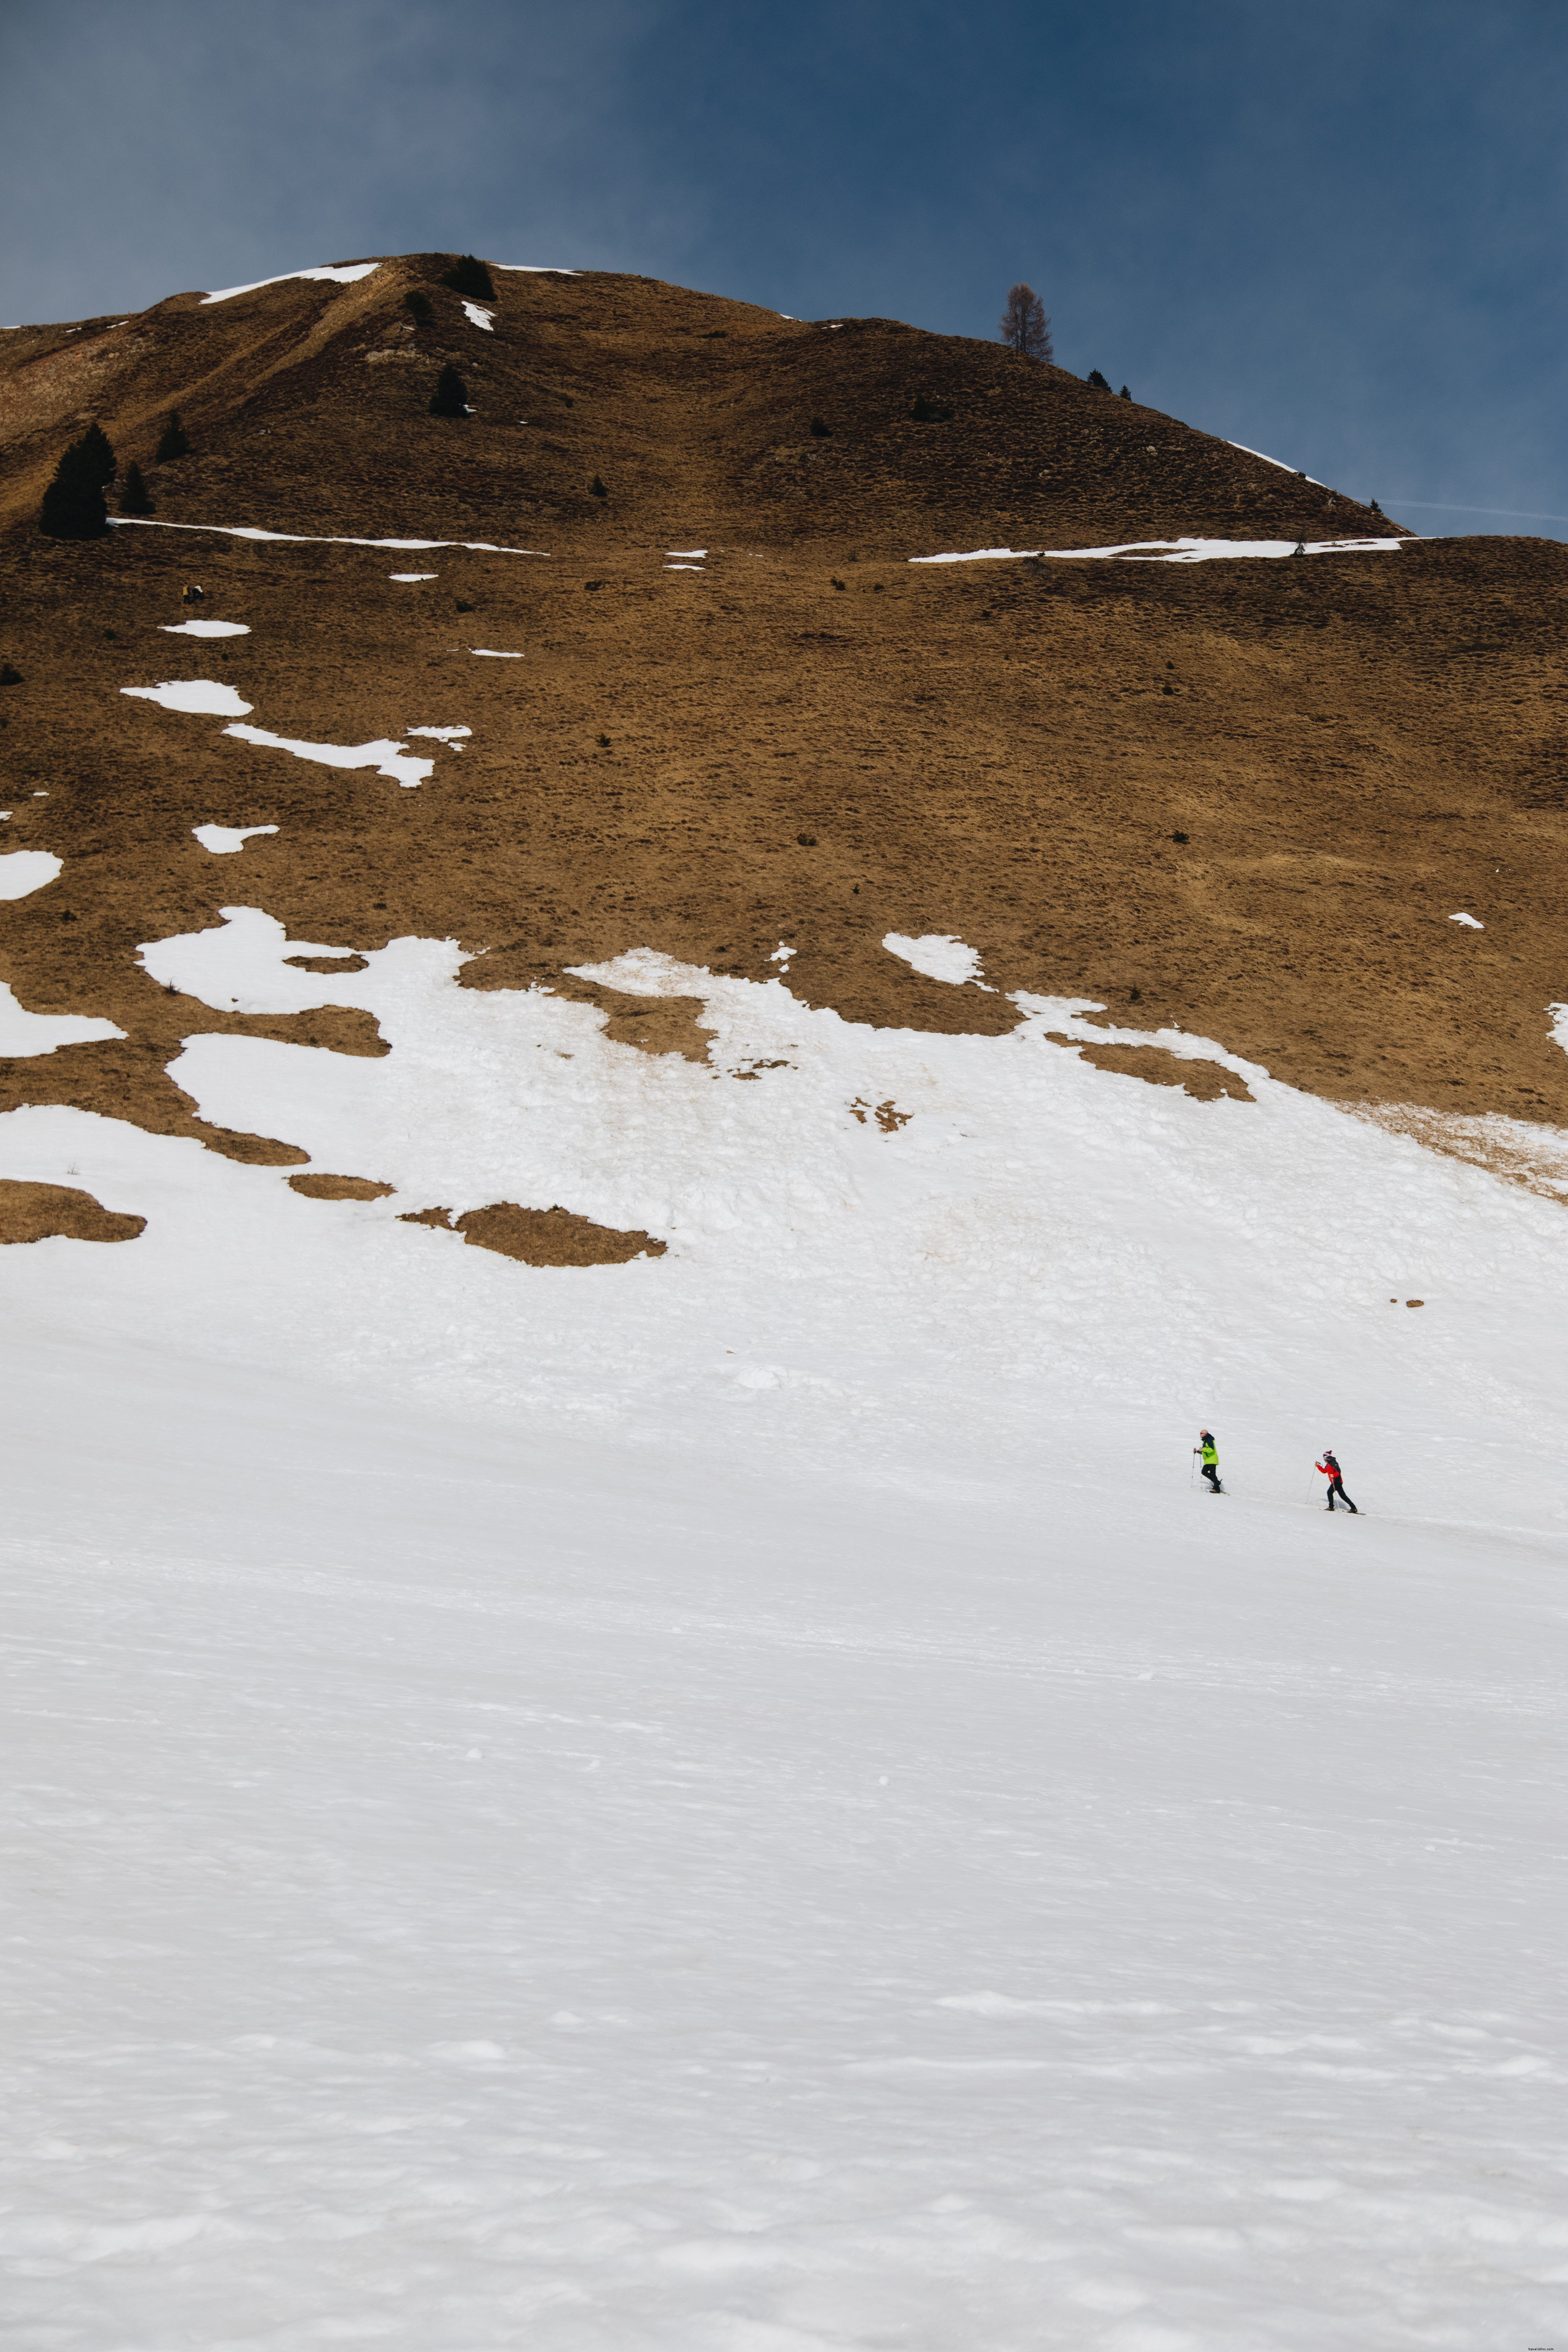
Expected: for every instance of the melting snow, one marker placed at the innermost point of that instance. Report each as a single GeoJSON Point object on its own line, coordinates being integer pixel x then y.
{"type": "Point", "coordinates": [490, 653]}
{"type": "Point", "coordinates": [1468, 920]}
{"type": "Point", "coordinates": [478, 318]}
{"type": "Point", "coordinates": [451, 735]}
{"type": "Point", "coordinates": [344, 276]}
{"type": "Point", "coordinates": [23, 871]}
{"type": "Point", "coordinates": [1172, 551]}
{"type": "Point", "coordinates": [686, 550]}
{"type": "Point", "coordinates": [41, 1033]}
{"type": "Point", "coordinates": [204, 629]}
{"type": "Point", "coordinates": [533, 269]}
{"type": "Point", "coordinates": [1277, 461]}
{"type": "Point", "coordinates": [414, 575]}
{"type": "Point", "coordinates": [311, 538]}
{"type": "Point", "coordinates": [936, 955]}
{"type": "Point", "coordinates": [225, 840]}
{"type": "Point", "coordinates": [684, 567]}
{"type": "Point", "coordinates": [203, 696]}
{"type": "Point", "coordinates": [738, 1800]}
{"type": "Point", "coordinates": [388, 759]}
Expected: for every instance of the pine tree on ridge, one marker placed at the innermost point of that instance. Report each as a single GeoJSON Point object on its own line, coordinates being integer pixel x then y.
{"type": "Point", "coordinates": [1023, 326]}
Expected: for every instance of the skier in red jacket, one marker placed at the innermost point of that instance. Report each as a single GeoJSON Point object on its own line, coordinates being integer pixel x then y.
{"type": "Point", "coordinates": [1331, 1470]}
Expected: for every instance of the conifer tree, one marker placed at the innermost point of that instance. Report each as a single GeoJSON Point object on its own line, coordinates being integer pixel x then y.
{"type": "Point", "coordinates": [420, 306]}
{"type": "Point", "coordinates": [470, 277]}
{"type": "Point", "coordinates": [73, 505]}
{"type": "Point", "coordinates": [133, 496]}
{"type": "Point", "coordinates": [174, 441]}
{"type": "Point", "coordinates": [596, 489]}
{"type": "Point", "coordinates": [1125, 394]}
{"type": "Point", "coordinates": [1101, 383]}
{"type": "Point", "coordinates": [1024, 325]}
{"type": "Point", "coordinates": [450, 397]}
{"type": "Point", "coordinates": [98, 455]}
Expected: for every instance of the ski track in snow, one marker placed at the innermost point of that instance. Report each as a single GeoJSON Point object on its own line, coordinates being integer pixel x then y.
{"type": "Point", "coordinates": [739, 1802]}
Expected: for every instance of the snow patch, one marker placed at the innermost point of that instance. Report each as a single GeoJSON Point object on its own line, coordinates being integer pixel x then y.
{"type": "Point", "coordinates": [315, 539]}
{"type": "Point", "coordinates": [23, 871]}
{"type": "Point", "coordinates": [41, 1033]}
{"type": "Point", "coordinates": [533, 269]}
{"type": "Point", "coordinates": [491, 653]}
{"type": "Point", "coordinates": [388, 759]}
{"type": "Point", "coordinates": [225, 840]}
{"type": "Point", "coordinates": [345, 276]}
{"type": "Point", "coordinates": [203, 696]}
{"type": "Point", "coordinates": [1172, 551]}
{"type": "Point", "coordinates": [449, 735]}
{"type": "Point", "coordinates": [414, 575]}
{"type": "Point", "coordinates": [1277, 461]}
{"type": "Point", "coordinates": [479, 318]}
{"type": "Point", "coordinates": [204, 629]}
{"type": "Point", "coordinates": [938, 955]}
{"type": "Point", "coordinates": [1469, 922]}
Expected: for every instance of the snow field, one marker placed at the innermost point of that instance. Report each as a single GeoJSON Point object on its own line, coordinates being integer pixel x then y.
{"type": "Point", "coordinates": [640, 1860]}
{"type": "Point", "coordinates": [740, 1801]}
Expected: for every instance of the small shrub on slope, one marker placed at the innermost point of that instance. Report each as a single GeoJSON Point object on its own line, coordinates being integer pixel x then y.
{"type": "Point", "coordinates": [174, 441]}
{"type": "Point", "coordinates": [470, 277]}
{"type": "Point", "coordinates": [1101, 383]}
{"type": "Point", "coordinates": [450, 397]}
{"type": "Point", "coordinates": [596, 489]}
{"type": "Point", "coordinates": [134, 495]}
{"type": "Point", "coordinates": [73, 505]}
{"type": "Point", "coordinates": [420, 306]}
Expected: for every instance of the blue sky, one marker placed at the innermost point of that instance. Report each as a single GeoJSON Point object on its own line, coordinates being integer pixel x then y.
{"type": "Point", "coordinates": [1336, 230]}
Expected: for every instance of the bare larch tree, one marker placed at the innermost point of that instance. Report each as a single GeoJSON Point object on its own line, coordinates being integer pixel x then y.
{"type": "Point", "coordinates": [1024, 325]}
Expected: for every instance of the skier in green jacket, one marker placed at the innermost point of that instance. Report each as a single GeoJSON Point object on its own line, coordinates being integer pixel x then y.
{"type": "Point", "coordinates": [1210, 1453]}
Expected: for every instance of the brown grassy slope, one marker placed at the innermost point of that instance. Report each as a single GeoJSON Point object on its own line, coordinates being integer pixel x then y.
{"type": "Point", "coordinates": [306, 402]}
{"type": "Point", "coordinates": [1356, 747]}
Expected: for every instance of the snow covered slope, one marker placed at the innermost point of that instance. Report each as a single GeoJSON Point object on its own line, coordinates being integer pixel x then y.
{"type": "Point", "coordinates": [742, 1800]}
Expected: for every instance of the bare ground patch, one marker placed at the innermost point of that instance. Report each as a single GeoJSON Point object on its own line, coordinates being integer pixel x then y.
{"type": "Point", "coordinates": [340, 1188]}
{"type": "Point", "coordinates": [32, 1213]}
{"type": "Point", "coordinates": [1205, 1081]}
{"type": "Point", "coordinates": [542, 1236]}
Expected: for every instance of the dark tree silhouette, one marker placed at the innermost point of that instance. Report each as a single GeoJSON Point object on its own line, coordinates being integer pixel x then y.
{"type": "Point", "coordinates": [174, 442]}
{"type": "Point", "coordinates": [1125, 394]}
{"type": "Point", "coordinates": [420, 304]}
{"type": "Point", "coordinates": [1025, 327]}
{"type": "Point", "coordinates": [470, 277]}
{"type": "Point", "coordinates": [133, 496]}
{"type": "Point", "coordinates": [1101, 383]}
{"type": "Point", "coordinates": [450, 397]}
{"type": "Point", "coordinates": [596, 489]}
{"type": "Point", "coordinates": [73, 505]}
